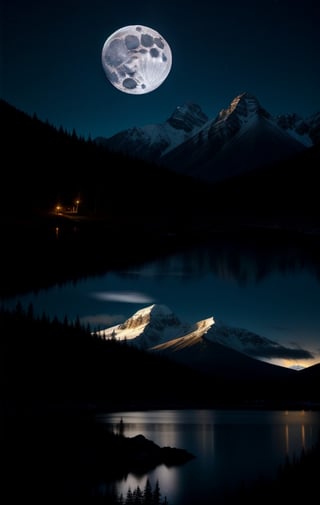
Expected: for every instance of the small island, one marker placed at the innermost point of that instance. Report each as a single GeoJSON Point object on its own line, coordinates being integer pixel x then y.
{"type": "Point", "coordinates": [139, 455]}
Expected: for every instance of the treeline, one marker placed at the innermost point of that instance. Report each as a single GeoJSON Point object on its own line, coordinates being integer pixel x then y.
{"type": "Point", "coordinates": [138, 496]}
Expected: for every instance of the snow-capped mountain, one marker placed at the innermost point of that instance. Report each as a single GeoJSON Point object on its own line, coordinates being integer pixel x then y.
{"type": "Point", "coordinates": [148, 327]}
{"type": "Point", "coordinates": [206, 345]}
{"type": "Point", "coordinates": [306, 130]}
{"type": "Point", "coordinates": [152, 141]}
{"type": "Point", "coordinates": [242, 137]}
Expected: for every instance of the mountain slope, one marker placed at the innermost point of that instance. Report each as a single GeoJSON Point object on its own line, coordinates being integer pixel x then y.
{"type": "Point", "coordinates": [242, 137]}
{"type": "Point", "coordinates": [306, 130]}
{"type": "Point", "coordinates": [287, 189]}
{"type": "Point", "coordinates": [148, 327]}
{"type": "Point", "coordinates": [204, 346]}
{"type": "Point", "coordinates": [41, 169]}
{"type": "Point", "coordinates": [150, 142]}
{"type": "Point", "coordinates": [200, 353]}
{"type": "Point", "coordinates": [220, 355]}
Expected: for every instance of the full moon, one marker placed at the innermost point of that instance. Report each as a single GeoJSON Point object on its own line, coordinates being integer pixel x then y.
{"type": "Point", "coordinates": [136, 59]}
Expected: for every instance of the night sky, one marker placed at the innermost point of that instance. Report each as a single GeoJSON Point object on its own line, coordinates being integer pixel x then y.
{"type": "Point", "coordinates": [51, 58]}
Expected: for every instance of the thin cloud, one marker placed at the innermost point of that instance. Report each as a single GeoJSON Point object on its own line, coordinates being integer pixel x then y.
{"type": "Point", "coordinates": [122, 296]}
{"type": "Point", "coordinates": [279, 351]}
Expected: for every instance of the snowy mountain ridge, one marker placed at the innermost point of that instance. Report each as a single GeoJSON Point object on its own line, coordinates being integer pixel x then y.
{"type": "Point", "coordinates": [306, 130]}
{"type": "Point", "coordinates": [242, 136]}
{"type": "Point", "coordinates": [157, 328]}
{"type": "Point", "coordinates": [148, 327]}
{"type": "Point", "coordinates": [154, 140]}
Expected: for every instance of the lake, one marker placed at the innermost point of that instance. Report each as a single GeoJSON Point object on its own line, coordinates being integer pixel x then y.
{"type": "Point", "coordinates": [231, 448]}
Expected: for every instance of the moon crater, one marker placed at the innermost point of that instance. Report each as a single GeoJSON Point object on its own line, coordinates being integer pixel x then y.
{"type": "Point", "coordinates": [136, 59]}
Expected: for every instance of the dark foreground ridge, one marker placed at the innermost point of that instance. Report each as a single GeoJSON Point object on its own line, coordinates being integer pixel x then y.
{"type": "Point", "coordinates": [50, 362]}
{"type": "Point", "coordinates": [67, 455]}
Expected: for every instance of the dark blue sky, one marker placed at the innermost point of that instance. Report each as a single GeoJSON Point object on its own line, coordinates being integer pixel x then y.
{"type": "Point", "coordinates": [51, 58]}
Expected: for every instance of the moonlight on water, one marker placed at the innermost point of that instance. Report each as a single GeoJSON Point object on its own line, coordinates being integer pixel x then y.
{"type": "Point", "coordinates": [136, 59]}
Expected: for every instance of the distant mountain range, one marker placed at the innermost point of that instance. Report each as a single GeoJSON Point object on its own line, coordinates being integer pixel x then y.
{"type": "Point", "coordinates": [206, 346]}
{"type": "Point", "coordinates": [242, 137]}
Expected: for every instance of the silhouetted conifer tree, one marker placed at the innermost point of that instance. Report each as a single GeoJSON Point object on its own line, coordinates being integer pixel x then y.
{"type": "Point", "coordinates": [30, 312]}
{"type": "Point", "coordinates": [19, 308]}
{"type": "Point", "coordinates": [137, 496]}
{"type": "Point", "coordinates": [147, 493]}
{"type": "Point", "coordinates": [129, 498]}
{"type": "Point", "coordinates": [77, 323]}
{"type": "Point", "coordinates": [121, 427]}
{"type": "Point", "coordinates": [157, 494]}
{"type": "Point", "coordinates": [44, 318]}
{"type": "Point", "coordinates": [120, 500]}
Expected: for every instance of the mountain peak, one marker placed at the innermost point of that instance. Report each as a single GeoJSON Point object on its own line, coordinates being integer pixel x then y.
{"type": "Point", "coordinates": [155, 311]}
{"type": "Point", "coordinates": [156, 316]}
{"type": "Point", "coordinates": [243, 105]}
{"type": "Point", "coordinates": [187, 117]}
{"type": "Point", "coordinates": [148, 327]}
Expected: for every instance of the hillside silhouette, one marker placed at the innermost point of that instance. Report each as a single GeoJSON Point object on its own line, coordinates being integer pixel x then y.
{"type": "Point", "coordinates": [45, 166]}
{"type": "Point", "coordinates": [52, 363]}
{"type": "Point", "coordinates": [48, 363]}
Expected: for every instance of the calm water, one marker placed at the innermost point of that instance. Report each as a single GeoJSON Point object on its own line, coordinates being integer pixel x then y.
{"type": "Point", "coordinates": [272, 290]}
{"type": "Point", "coordinates": [231, 447]}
